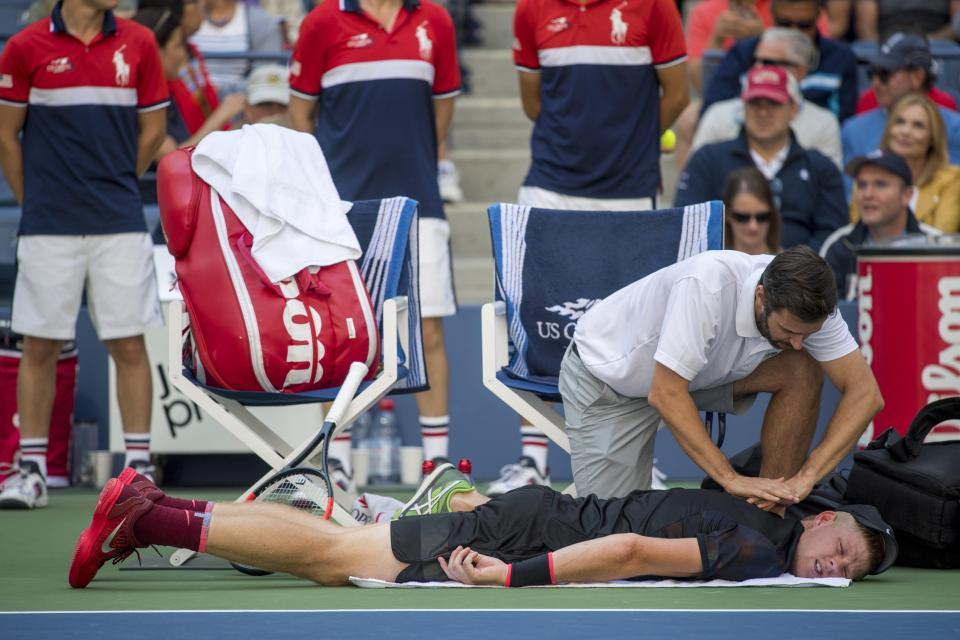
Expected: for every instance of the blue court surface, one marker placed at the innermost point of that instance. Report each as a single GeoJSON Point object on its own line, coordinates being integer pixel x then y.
{"type": "Point", "coordinates": [555, 624]}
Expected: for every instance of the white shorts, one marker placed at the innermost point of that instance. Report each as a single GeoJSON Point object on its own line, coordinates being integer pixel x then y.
{"type": "Point", "coordinates": [544, 199]}
{"type": "Point", "coordinates": [115, 269]}
{"type": "Point", "coordinates": [437, 298]}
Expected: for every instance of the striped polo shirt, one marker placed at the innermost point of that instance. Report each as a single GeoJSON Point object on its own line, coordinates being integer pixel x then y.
{"type": "Point", "coordinates": [598, 132]}
{"type": "Point", "coordinates": [80, 135]}
{"type": "Point", "coordinates": [375, 118]}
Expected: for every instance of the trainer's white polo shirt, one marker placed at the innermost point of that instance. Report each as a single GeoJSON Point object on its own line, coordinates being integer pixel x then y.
{"type": "Point", "coordinates": [695, 317]}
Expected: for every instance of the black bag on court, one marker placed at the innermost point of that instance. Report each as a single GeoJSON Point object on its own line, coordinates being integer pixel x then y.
{"type": "Point", "coordinates": [916, 488]}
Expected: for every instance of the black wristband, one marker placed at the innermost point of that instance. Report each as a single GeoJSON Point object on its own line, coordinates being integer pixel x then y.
{"type": "Point", "coordinates": [532, 571]}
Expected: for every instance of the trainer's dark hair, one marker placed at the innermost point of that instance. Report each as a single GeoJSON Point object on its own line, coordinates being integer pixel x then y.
{"type": "Point", "coordinates": [801, 282]}
{"type": "Point", "coordinates": [163, 22]}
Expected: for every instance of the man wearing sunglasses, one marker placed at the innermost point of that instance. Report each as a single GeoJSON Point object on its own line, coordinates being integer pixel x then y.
{"type": "Point", "coordinates": [814, 126]}
{"type": "Point", "coordinates": [832, 80]}
{"type": "Point", "coordinates": [807, 186]}
{"type": "Point", "coordinates": [884, 189]}
{"type": "Point", "coordinates": [904, 65]}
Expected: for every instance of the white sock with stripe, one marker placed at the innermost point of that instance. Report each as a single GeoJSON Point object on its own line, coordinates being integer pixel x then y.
{"type": "Point", "coordinates": [535, 444]}
{"type": "Point", "coordinates": [137, 446]}
{"type": "Point", "coordinates": [35, 450]}
{"type": "Point", "coordinates": [435, 433]}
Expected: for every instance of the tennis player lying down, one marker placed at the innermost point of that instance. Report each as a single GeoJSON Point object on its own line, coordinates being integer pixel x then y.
{"type": "Point", "coordinates": [529, 536]}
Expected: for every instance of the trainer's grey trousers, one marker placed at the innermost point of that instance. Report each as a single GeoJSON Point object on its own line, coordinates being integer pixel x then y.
{"type": "Point", "coordinates": [612, 435]}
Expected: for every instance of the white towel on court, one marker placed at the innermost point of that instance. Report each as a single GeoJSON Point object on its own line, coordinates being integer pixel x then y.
{"type": "Point", "coordinates": [278, 183]}
{"type": "Point", "coordinates": [785, 580]}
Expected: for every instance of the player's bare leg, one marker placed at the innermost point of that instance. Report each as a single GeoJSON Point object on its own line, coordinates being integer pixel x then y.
{"type": "Point", "coordinates": [134, 382]}
{"type": "Point", "coordinates": [467, 501]}
{"type": "Point", "coordinates": [280, 538]}
{"type": "Point", "coordinates": [795, 380]}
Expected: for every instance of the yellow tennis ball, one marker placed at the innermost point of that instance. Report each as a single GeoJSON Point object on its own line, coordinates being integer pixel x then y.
{"type": "Point", "coordinates": [668, 140]}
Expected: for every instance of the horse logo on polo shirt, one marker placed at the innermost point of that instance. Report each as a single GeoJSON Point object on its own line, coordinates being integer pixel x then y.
{"type": "Point", "coordinates": [618, 27]}
{"type": "Point", "coordinates": [426, 45]}
{"type": "Point", "coordinates": [123, 69]}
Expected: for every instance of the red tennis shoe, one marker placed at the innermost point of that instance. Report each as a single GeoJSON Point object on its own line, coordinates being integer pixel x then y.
{"type": "Point", "coordinates": [110, 534]}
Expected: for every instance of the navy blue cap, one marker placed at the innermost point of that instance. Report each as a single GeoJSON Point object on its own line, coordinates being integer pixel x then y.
{"type": "Point", "coordinates": [870, 518]}
{"type": "Point", "coordinates": [887, 160]}
{"type": "Point", "coordinates": [904, 51]}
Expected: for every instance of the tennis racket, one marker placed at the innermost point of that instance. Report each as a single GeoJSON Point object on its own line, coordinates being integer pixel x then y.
{"type": "Point", "coordinates": [308, 488]}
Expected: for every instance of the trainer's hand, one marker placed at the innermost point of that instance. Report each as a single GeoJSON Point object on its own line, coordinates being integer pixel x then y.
{"type": "Point", "coordinates": [763, 492]}
{"type": "Point", "coordinates": [470, 567]}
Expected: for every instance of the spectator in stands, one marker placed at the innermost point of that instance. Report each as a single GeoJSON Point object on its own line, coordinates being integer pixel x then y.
{"type": "Point", "coordinates": [883, 194]}
{"type": "Point", "coordinates": [832, 83]}
{"type": "Point", "coordinates": [751, 218]}
{"type": "Point", "coordinates": [191, 90]}
{"type": "Point", "coordinates": [915, 132]}
{"type": "Point", "coordinates": [904, 59]}
{"type": "Point", "coordinates": [290, 14]}
{"type": "Point", "coordinates": [268, 96]}
{"type": "Point", "coordinates": [82, 225]}
{"type": "Point", "coordinates": [814, 126]}
{"type": "Point", "coordinates": [877, 20]}
{"type": "Point", "coordinates": [379, 131]}
{"type": "Point", "coordinates": [596, 137]}
{"type": "Point", "coordinates": [903, 66]}
{"type": "Point", "coordinates": [175, 60]}
{"type": "Point", "coordinates": [807, 186]}
{"type": "Point", "coordinates": [233, 26]}
{"type": "Point", "coordinates": [840, 14]}
{"type": "Point", "coordinates": [718, 24]}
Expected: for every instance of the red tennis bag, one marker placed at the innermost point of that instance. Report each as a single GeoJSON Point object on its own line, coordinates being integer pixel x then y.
{"type": "Point", "coordinates": [248, 333]}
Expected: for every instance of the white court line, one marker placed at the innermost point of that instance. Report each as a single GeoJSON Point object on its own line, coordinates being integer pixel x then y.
{"type": "Point", "coordinates": [474, 610]}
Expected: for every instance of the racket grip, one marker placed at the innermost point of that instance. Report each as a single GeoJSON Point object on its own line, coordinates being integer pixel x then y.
{"type": "Point", "coordinates": [348, 389]}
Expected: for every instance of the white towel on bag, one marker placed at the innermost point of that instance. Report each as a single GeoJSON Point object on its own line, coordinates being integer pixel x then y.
{"type": "Point", "coordinates": [278, 184]}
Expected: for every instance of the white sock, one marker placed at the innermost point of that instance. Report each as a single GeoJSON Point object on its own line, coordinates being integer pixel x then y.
{"type": "Point", "coordinates": [35, 450]}
{"type": "Point", "coordinates": [138, 448]}
{"type": "Point", "coordinates": [382, 508]}
{"type": "Point", "coordinates": [435, 433]}
{"type": "Point", "coordinates": [535, 445]}
{"type": "Point", "coordinates": [340, 448]}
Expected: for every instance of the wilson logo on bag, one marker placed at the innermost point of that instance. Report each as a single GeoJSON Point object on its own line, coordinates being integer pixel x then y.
{"type": "Point", "coordinates": [247, 333]}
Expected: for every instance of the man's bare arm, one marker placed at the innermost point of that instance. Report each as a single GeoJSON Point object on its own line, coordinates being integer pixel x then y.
{"type": "Point", "coordinates": [11, 153]}
{"type": "Point", "coordinates": [615, 557]}
{"type": "Point", "coordinates": [670, 396]}
{"type": "Point", "coordinates": [443, 114]}
{"type": "Point", "coordinates": [859, 402]}
{"type": "Point", "coordinates": [300, 112]}
{"type": "Point", "coordinates": [676, 93]}
{"type": "Point", "coordinates": [530, 93]}
{"type": "Point", "coordinates": [152, 126]}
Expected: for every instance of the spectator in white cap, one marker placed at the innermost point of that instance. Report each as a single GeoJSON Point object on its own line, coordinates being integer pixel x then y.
{"type": "Point", "coordinates": [268, 94]}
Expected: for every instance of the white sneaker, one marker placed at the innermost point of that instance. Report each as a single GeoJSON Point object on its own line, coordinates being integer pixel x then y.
{"type": "Point", "coordinates": [520, 474]}
{"type": "Point", "coordinates": [340, 477]}
{"type": "Point", "coordinates": [25, 489]}
{"type": "Point", "coordinates": [448, 178]}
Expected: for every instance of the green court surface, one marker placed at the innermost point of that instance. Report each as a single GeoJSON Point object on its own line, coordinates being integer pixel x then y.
{"type": "Point", "coordinates": [37, 546]}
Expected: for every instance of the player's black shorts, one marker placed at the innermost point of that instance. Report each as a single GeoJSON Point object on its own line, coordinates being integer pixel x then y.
{"type": "Point", "coordinates": [520, 524]}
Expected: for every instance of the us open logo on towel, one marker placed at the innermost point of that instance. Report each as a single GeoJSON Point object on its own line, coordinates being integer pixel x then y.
{"type": "Point", "coordinates": [570, 312]}
{"type": "Point", "coordinates": [303, 325]}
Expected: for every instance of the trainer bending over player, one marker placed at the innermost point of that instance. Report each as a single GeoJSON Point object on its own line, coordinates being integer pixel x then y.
{"type": "Point", "coordinates": [529, 536]}
{"type": "Point", "coordinates": [710, 333]}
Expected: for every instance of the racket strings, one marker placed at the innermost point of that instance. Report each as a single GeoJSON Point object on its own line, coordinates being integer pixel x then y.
{"type": "Point", "coordinates": [299, 490]}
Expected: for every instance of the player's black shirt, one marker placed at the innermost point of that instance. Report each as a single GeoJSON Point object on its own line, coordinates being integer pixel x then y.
{"type": "Point", "coordinates": [737, 540]}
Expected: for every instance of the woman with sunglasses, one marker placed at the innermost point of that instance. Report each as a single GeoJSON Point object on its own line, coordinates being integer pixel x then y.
{"type": "Point", "coordinates": [915, 131]}
{"type": "Point", "coordinates": [752, 222]}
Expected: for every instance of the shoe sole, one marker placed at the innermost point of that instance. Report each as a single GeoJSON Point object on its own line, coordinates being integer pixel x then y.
{"type": "Point", "coordinates": [425, 485]}
{"type": "Point", "coordinates": [88, 544]}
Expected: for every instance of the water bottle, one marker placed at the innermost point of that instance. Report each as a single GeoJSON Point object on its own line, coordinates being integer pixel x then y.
{"type": "Point", "coordinates": [360, 430]}
{"type": "Point", "coordinates": [384, 446]}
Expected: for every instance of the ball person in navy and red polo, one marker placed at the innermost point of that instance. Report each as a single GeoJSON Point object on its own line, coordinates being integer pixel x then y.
{"type": "Point", "coordinates": [375, 82]}
{"type": "Point", "coordinates": [591, 74]}
{"type": "Point", "coordinates": [87, 92]}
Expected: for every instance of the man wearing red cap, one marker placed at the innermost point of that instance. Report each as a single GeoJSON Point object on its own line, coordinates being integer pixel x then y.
{"type": "Point", "coordinates": [807, 185]}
